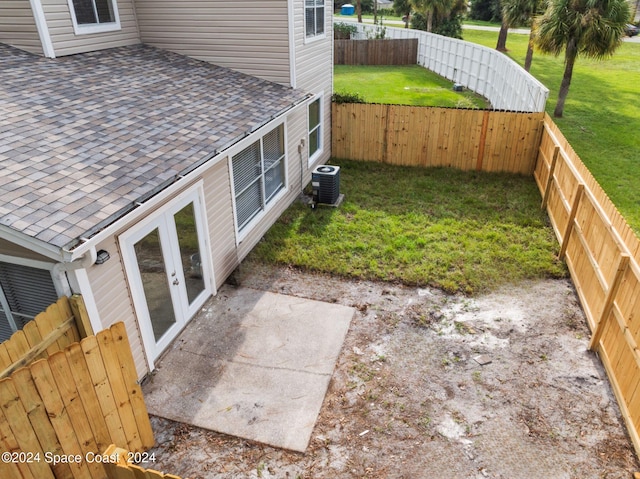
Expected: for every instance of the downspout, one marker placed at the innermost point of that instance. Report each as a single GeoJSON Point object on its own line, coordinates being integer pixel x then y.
{"type": "Point", "coordinates": [292, 44]}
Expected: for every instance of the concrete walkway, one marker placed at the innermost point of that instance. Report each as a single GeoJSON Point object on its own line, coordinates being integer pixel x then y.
{"type": "Point", "coordinates": [252, 364]}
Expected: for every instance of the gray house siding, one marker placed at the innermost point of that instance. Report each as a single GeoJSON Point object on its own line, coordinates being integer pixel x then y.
{"type": "Point", "coordinates": [249, 36]}
{"type": "Point", "coordinates": [109, 284]}
{"type": "Point", "coordinates": [111, 295]}
{"type": "Point", "coordinates": [314, 69]}
{"type": "Point", "coordinates": [66, 42]}
{"type": "Point", "coordinates": [217, 192]}
{"type": "Point", "coordinates": [18, 27]}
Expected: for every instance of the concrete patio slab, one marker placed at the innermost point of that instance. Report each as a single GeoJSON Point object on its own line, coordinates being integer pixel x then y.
{"type": "Point", "coordinates": [252, 364]}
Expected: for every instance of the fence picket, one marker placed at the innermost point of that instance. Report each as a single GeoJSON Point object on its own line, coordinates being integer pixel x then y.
{"type": "Point", "coordinates": [18, 421]}
{"type": "Point", "coordinates": [87, 394]}
{"type": "Point", "coordinates": [17, 346]}
{"type": "Point", "coordinates": [73, 406]}
{"type": "Point", "coordinates": [59, 416]}
{"type": "Point", "coordinates": [102, 388]}
{"type": "Point", "coordinates": [119, 390]}
{"type": "Point", "coordinates": [139, 409]}
{"type": "Point", "coordinates": [8, 443]}
{"type": "Point", "coordinates": [39, 420]}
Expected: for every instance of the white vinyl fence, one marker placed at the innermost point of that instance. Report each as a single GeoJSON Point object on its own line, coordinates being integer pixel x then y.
{"type": "Point", "coordinates": [480, 69]}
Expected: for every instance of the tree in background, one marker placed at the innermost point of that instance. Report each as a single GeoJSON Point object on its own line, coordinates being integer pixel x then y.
{"type": "Point", "coordinates": [593, 28]}
{"type": "Point", "coordinates": [432, 9]}
{"type": "Point", "coordinates": [446, 20]}
{"type": "Point", "coordinates": [486, 10]}
{"type": "Point", "coordinates": [539, 8]}
{"type": "Point", "coordinates": [402, 8]}
{"type": "Point", "coordinates": [515, 13]}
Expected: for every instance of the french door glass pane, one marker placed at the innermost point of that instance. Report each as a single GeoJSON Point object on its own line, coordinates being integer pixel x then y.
{"type": "Point", "coordinates": [189, 251]}
{"type": "Point", "coordinates": [154, 282]}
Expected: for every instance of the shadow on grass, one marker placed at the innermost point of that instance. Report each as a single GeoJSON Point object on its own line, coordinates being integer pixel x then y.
{"type": "Point", "coordinates": [459, 231]}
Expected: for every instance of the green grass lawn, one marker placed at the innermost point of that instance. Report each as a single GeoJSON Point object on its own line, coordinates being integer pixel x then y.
{"type": "Point", "coordinates": [402, 85]}
{"type": "Point", "coordinates": [601, 117]}
{"type": "Point", "coordinates": [385, 15]}
{"type": "Point", "coordinates": [481, 23]}
{"type": "Point", "coordinates": [455, 230]}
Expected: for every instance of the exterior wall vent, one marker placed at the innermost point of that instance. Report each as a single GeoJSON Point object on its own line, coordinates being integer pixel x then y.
{"type": "Point", "coordinates": [325, 180]}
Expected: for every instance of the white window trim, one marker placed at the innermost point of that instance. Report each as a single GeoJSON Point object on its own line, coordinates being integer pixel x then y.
{"type": "Point", "coordinates": [97, 27]}
{"type": "Point", "coordinates": [318, 153]}
{"type": "Point", "coordinates": [314, 39]}
{"type": "Point", "coordinates": [258, 135]}
{"type": "Point", "coordinates": [43, 29]}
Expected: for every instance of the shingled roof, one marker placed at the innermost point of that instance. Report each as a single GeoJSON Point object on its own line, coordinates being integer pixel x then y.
{"type": "Point", "coordinates": [84, 137]}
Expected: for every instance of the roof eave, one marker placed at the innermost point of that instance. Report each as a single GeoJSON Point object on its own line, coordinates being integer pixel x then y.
{"type": "Point", "coordinates": [34, 244]}
{"type": "Point", "coordinates": [77, 247]}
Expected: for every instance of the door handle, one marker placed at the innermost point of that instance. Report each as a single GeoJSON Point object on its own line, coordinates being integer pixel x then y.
{"type": "Point", "coordinates": [176, 282]}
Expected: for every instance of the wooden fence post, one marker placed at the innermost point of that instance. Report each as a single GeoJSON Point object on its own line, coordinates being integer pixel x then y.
{"type": "Point", "coordinates": [572, 217]}
{"type": "Point", "coordinates": [483, 140]}
{"type": "Point", "coordinates": [623, 263]}
{"type": "Point", "coordinates": [82, 316]}
{"type": "Point", "coordinates": [552, 169]}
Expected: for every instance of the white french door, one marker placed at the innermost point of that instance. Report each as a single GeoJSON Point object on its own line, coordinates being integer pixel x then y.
{"type": "Point", "coordinates": [169, 271]}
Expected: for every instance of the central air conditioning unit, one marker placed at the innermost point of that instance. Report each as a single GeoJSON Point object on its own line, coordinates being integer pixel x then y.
{"type": "Point", "coordinates": [325, 181]}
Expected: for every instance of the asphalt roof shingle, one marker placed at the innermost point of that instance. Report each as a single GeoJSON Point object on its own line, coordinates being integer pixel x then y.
{"type": "Point", "coordinates": [83, 137]}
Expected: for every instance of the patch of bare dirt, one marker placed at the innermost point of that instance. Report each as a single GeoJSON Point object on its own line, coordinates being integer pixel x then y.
{"type": "Point", "coordinates": [430, 385]}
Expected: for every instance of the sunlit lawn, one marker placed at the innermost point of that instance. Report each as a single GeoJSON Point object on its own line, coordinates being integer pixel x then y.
{"type": "Point", "coordinates": [601, 117]}
{"type": "Point", "coordinates": [402, 85]}
{"type": "Point", "coordinates": [459, 231]}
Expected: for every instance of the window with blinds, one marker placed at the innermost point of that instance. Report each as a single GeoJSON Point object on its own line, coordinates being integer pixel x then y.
{"type": "Point", "coordinates": [258, 175]}
{"type": "Point", "coordinates": [315, 128]}
{"type": "Point", "coordinates": [24, 292]}
{"type": "Point", "coordinates": [314, 17]}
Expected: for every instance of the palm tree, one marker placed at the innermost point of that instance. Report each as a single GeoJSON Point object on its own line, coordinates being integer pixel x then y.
{"type": "Point", "coordinates": [593, 28]}
{"type": "Point", "coordinates": [514, 13]}
{"type": "Point", "coordinates": [431, 9]}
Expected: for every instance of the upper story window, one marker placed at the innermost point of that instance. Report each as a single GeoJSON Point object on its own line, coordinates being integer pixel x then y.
{"type": "Point", "coordinates": [313, 18]}
{"type": "Point", "coordinates": [94, 16]}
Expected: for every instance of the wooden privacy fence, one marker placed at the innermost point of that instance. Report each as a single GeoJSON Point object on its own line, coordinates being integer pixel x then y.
{"type": "Point", "coordinates": [60, 413]}
{"type": "Point", "coordinates": [375, 52]}
{"type": "Point", "coordinates": [481, 140]}
{"type": "Point", "coordinates": [602, 253]}
{"type": "Point", "coordinates": [63, 323]}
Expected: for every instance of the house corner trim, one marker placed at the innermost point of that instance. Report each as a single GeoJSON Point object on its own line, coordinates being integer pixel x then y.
{"type": "Point", "coordinates": [43, 29]}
